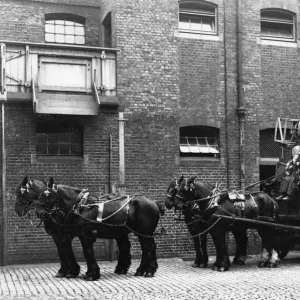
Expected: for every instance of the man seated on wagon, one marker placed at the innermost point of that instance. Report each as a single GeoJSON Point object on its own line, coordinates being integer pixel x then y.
{"type": "Point", "coordinates": [291, 180]}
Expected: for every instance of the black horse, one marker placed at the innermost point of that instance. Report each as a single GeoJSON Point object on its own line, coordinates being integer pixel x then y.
{"type": "Point", "coordinates": [258, 206]}
{"type": "Point", "coordinates": [199, 228]}
{"type": "Point", "coordinates": [27, 195]}
{"type": "Point", "coordinates": [111, 217]}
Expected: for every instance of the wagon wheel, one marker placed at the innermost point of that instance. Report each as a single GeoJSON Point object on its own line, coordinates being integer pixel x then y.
{"type": "Point", "coordinates": [283, 251]}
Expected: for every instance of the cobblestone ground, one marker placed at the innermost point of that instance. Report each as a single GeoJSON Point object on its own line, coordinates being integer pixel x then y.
{"type": "Point", "coordinates": [175, 279]}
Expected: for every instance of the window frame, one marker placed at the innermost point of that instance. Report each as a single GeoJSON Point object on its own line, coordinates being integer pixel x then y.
{"type": "Point", "coordinates": [209, 150]}
{"type": "Point", "coordinates": [77, 21]}
{"type": "Point", "coordinates": [201, 13]}
{"type": "Point", "coordinates": [48, 122]}
{"type": "Point", "coordinates": [278, 21]}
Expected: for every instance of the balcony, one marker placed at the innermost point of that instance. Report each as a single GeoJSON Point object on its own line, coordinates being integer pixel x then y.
{"type": "Point", "coordinates": [58, 79]}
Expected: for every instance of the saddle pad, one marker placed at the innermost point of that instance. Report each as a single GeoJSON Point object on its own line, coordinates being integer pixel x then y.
{"type": "Point", "coordinates": [236, 196]}
{"type": "Point", "coordinates": [100, 211]}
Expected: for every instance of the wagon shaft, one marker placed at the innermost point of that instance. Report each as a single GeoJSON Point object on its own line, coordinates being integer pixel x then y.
{"type": "Point", "coordinates": [258, 222]}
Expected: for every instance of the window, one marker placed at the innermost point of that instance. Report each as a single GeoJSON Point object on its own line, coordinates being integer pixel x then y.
{"type": "Point", "coordinates": [199, 141]}
{"type": "Point", "coordinates": [59, 137]}
{"type": "Point", "coordinates": [277, 25]}
{"type": "Point", "coordinates": [196, 16]}
{"type": "Point", "coordinates": [268, 148]}
{"type": "Point", "coordinates": [107, 31]}
{"type": "Point", "coordinates": [65, 29]}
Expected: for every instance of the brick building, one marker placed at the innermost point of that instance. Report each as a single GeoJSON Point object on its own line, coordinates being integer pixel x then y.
{"type": "Point", "coordinates": [219, 70]}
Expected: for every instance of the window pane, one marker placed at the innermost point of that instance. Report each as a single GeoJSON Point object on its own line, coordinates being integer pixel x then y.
{"type": "Point", "coordinates": [52, 138]}
{"type": "Point", "coordinates": [49, 28]}
{"type": "Point", "coordinates": [70, 30]}
{"type": "Point", "coordinates": [59, 38]}
{"type": "Point", "coordinates": [60, 22]}
{"type": "Point", "coordinates": [200, 7]}
{"type": "Point", "coordinates": [53, 149]}
{"type": "Point", "coordinates": [277, 30]}
{"type": "Point", "coordinates": [64, 149]}
{"type": "Point", "coordinates": [76, 149]}
{"type": "Point", "coordinates": [75, 138]}
{"type": "Point", "coordinates": [207, 24]}
{"type": "Point", "coordinates": [64, 138]}
{"type": "Point", "coordinates": [59, 29]}
{"type": "Point", "coordinates": [277, 15]}
{"type": "Point", "coordinates": [50, 22]}
{"type": "Point", "coordinates": [184, 22]}
{"type": "Point", "coordinates": [49, 37]}
{"type": "Point", "coordinates": [70, 39]}
{"type": "Point", "coordinates": [79, 30]}
{"type": "Point", "coordinates": [69, 23]}
{"type": "Point", "coordinates": [79, 40]}
{"type": "Point", "coordinates": [42, 139]}
{"type": "Point", "coordinates": [41, 149]}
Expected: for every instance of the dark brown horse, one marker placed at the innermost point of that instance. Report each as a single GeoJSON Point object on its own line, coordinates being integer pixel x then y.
{"type": "Point", "coordinates": [258, 206]}
{"type": "Point", "coordinates": [199, 228]}
{"type": "Point", "coordinates": [111, 217]}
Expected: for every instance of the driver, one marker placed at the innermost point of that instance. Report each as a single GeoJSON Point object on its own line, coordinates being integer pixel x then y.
{"type": "Point", "coordinates": [290, 181]}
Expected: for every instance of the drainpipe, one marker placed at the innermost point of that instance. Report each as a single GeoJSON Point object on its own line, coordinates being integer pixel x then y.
{"type": "Point", "coordinates": [122, 185]}
{"type": "Point", "coordinates": [241, 110]}
{"type": "Point", "coordinates": [226, 100]}
{"type": "Point", "coordinates": [4, 204]}
{"type": "Point", "coordinates": [3, 98]}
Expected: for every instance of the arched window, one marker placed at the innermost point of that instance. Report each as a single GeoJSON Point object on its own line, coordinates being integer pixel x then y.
{"type": "Point", "coordinates": [107, 30]}
{"type": "Point", "coordinates": [277, 24]}
{"type": "Point", "coordinates": [197, 16]}
{"type": "Point", "coordinates": [199, 141]}
{"type": "Point", "coordinates": [65, 29]}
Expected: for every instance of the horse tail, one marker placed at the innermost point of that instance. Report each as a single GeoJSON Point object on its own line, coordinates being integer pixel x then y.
{"type": "Point", "coordinates": [161, 207]}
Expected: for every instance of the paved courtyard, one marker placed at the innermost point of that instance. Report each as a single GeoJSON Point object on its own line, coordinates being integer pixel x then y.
{"type": "Point", "coordinates": [175, 279]}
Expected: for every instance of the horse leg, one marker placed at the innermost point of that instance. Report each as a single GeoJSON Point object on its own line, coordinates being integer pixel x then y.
{"type": "Point", "coordinates": [269, 256]}
{"type": "Point", "coordinates": [68, 265]}
{"type": "Point", "coordinates": [214, 236]}
{"type": "Point", "coordinates": [141, 270]}
{"type": "Point", "coordinates": [64, 263]}
{"type": "Point", "coordinates": [204, 255]}
{"type": "Point", "coordinates": [196, 263]}
{"type": "Point", "coordinates": [152, 263]}
{"type": "Point", "coordinates": [241, 241]}
{"type": "Point", "coordinates": [223, 263]}
{"type": "Point", "coordinates": [93, 270]}
{"type": "Point", "coordinates": [124, 259]}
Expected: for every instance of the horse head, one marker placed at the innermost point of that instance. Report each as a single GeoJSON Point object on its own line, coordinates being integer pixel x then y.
{"type": "Point", "coordinates": [172, 191]}
{"type": "Point", "coordinates": [27, 194]}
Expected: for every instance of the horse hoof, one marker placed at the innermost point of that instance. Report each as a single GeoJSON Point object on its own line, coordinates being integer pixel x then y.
{"type": "Point", "coordinates": [91, 277]}
{"type": "Point", "coordinates": [60, 274]}
{"type": "Point", "coordinates": [238, 262]}
{"type": "Point", "coordinates": [194, 265]}
{"type": "Point", "coordinates": [149, 274]}
{"type": "Point", "coordinates": [214, 268]}
{"type": "Point", "coordinates": [139, 273]}
{"type": "Point", "coordinates": [71, 275]}
{"type": "Point", "coordinates": [261, 264]}
{"type": "Point", "coordinates": [203, 266]}
{"type": "Point", "coordinates": [222, 269]}
{"type": "Point", "coordinates": [272, 265]}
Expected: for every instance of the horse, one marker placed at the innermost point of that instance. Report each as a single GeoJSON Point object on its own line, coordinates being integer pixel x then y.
{"type": "Point", "coordinates": [199, 229]}
{"type": "Point", "coordinates": [111, 217]}
{"type": "Point", "coordinates": [27, 195]}
{"type": "Point", "coordinates": [211, 209]}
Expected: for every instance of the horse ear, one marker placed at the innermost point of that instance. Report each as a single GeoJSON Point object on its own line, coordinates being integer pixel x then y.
{"type": "Point", "coordinates": [25, 180]}
{"type": "Point", "coordinates": [51, 182]}
{"type": "Point", "coordinates": [181, 178]}
{"type": "Point", "coordinates": [191, 179]}
{"type": "Point", "coordinates": [44, 181]}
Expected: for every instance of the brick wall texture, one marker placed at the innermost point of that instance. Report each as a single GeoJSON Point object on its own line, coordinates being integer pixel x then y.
{"type": "Point", "coordinates": [164, 80]}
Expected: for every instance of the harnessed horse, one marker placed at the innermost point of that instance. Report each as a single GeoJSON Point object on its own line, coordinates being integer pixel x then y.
{"type": "Point", "coordinates": [81, 217]}
{"type": "Point", "coordinates": [211, 210]}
